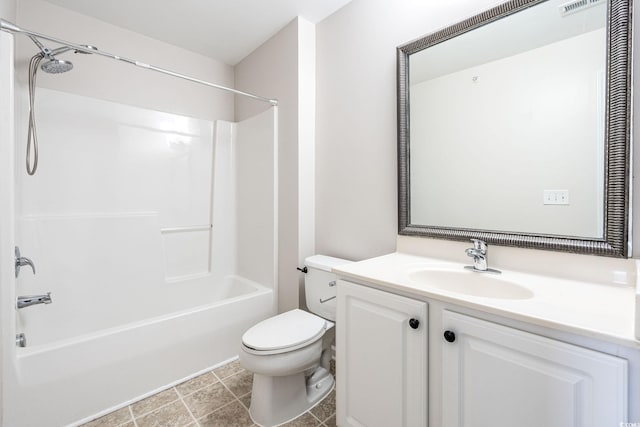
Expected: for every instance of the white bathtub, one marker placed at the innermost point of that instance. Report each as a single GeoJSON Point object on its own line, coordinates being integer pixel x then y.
{"type": "Point", "coordinates": [141, 241]}
{"type": "Point", "coordinates": [70, 381]}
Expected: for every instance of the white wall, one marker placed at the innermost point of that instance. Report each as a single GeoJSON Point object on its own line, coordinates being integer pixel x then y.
{"type": "Point", "coordinates": [8, 10]}
{"type": "Point", "coordinates": [116, 81]}
{"type": "Point", "coordinates": [356, 204]}
{"type": "Point", "coordinates": [280, 69]}
{"type": "Point", "coordinates": [306, 146]}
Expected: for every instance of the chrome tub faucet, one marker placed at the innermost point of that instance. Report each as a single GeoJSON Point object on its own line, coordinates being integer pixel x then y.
{"type": "Point", "coordinates": [28, 300]}
{"type": "Point", "coordinates": [480, 257]}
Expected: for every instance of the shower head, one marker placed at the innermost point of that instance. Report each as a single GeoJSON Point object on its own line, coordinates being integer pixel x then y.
{"type": "Point", "coordinates": [56, 66]}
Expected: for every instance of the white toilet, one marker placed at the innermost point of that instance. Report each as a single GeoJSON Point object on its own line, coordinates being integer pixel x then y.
{"type": "Point", "coordinates": [289, 354]}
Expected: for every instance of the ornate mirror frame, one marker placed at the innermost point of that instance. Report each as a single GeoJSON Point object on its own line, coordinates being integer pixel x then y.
{"type": "Point", "coordinates": [617, 140]}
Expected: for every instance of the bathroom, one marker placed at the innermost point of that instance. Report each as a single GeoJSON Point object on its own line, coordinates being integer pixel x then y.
{"type": "Point", "coordinates": [332, 187]}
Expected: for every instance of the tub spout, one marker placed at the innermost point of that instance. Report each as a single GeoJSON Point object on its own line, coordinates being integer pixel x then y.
{"type": "Point", "coordinates": [26, 301]}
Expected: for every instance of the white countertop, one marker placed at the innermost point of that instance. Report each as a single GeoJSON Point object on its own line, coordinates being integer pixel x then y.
{"type": "Point", "coordinates": [595, 310]}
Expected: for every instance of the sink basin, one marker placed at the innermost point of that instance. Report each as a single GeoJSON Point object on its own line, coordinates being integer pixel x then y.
{"type": "Point", "coordinates": [467, 282]}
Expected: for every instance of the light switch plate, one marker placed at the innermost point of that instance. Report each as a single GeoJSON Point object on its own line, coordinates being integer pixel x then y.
{"type": "Point", "coordinates": [556, 197]}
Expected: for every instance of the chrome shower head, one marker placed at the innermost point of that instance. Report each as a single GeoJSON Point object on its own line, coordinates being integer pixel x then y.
{"type": "Point", "coordinates": [56, 66]}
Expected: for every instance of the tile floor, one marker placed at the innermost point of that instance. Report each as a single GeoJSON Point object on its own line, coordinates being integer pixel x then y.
{"type": "Point", "coordinates": [219, 398]}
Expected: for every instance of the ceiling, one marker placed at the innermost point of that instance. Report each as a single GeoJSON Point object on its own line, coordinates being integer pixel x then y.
{"type": "Point", "coordinates": [226, 30]}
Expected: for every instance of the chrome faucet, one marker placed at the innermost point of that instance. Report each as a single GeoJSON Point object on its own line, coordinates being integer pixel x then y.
{"type": "Point", "coordinates": [26, 301]}
{"type": "Point", "coordinates": [22, 261]}
{"type": "Point", "coordinates": [479, 254]}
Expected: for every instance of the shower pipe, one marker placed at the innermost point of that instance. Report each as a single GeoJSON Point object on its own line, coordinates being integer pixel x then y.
{"type": "Point", "coordinates": [12, 28]}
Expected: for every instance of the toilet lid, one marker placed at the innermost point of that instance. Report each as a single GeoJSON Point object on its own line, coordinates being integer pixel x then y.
{"type": "Point", "coordinates": [293, 328]}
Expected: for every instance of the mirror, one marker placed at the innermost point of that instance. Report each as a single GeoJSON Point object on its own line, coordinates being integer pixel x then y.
{"type": "Point", "coordinates": [513, 127]}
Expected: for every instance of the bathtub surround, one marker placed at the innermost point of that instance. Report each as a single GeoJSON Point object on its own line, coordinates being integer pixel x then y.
{"type": "Point", "coordinates": [283, 67]}
{"type": "Point", "coordinates": [170, 235]}
{"type": "Point", "coordinates": [178, 242]}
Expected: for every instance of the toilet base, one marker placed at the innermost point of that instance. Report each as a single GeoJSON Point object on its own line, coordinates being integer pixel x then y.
{"type": "Point", "coordinates": [277, 400]}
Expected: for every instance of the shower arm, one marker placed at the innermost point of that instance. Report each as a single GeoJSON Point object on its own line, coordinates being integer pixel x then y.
{"type": "Point", "coordinates": [46, 52]}
{"type": "Point", "coordinates": [34, 36]}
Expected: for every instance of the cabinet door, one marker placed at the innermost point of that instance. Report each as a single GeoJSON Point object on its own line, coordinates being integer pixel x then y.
{"type": "Point", "coordinates": [502, 377]}
{"type": "Point", "coordinates": [381, 355]}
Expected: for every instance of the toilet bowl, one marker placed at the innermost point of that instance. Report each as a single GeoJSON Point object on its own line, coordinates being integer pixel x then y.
{"type": "Point", "coordinates": [289, 354]}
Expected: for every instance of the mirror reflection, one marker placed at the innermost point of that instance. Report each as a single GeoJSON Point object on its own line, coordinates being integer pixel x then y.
{"type": "Point", "coordinates": [507, 124]}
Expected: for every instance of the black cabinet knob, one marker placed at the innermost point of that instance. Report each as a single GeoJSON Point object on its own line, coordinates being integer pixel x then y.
{"type": "Point", "coordinates": [449, 336]}
{"type": "Point", "coordinates": [414, 323]}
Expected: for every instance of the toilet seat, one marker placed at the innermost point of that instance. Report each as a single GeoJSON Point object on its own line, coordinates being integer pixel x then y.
{"type": "Point", "coordinates": [285, 332]}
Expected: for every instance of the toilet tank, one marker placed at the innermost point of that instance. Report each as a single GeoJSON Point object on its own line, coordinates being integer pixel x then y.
{"type": "Point", "coordinates": [320, 285]}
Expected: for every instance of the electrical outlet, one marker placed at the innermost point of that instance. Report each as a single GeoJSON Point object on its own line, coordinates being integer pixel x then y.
{"type": "Point", "coordinates": [556, 197]}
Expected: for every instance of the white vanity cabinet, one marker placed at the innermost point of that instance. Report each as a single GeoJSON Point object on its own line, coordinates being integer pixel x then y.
{"type": "Point", "coordinates": [497, 376]}
{"type": "Point", "coordinates": [381, 352]}
{"type": "Point", "coordinates": [460, 370]}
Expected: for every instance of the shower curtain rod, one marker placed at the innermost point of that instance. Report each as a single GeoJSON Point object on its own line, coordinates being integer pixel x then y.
{"type": "Point", "coordinates": [12, 28]}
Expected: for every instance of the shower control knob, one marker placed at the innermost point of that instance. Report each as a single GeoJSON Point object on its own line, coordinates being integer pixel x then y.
{"type": "Point", "coordinates": [449, 336]}
{"type": "Point", "coordinates": [414, 323]}
{"type": "Point", "coordinates": [22, 261]}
